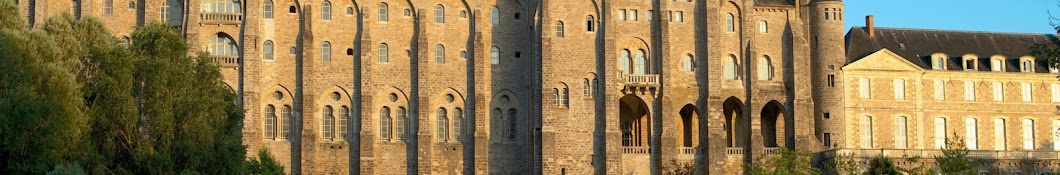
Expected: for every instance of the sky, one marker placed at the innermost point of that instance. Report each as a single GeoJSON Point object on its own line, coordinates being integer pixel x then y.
{"type": "Point", "coordinates": [1018, 16]}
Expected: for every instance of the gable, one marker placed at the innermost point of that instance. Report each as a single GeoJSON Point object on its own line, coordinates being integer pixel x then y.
{"type": "Point", "coordinates": [883, 60]}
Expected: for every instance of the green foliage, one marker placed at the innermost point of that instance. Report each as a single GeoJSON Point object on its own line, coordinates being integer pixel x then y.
{"type": "Point", "coordinates": [882, 166]}
{"type": "Point", "coordinates": [266, 165]}
{"type": "Point", "coordinates": [840, 164]}
{"type": "Point", "coordinates": [954, 159]}
{"type": "Point", "coordinates": [789, 162]}
{"type": "Point", "coordinates": [69, 93]}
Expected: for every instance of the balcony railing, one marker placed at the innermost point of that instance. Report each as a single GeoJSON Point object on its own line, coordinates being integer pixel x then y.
{"type": "Point", "coordinates": [734, 151]}
{"type": "Point", "coordinates": [221, 18]}
{"type": "Point", "coordinates": [226, 61]}
{"type": "Point", "coordinates": [688, 150]}
{"type": "Point", "coordinates": [931, 153]}
{"type": "Point", "coordinates": [635, 150]}
{"type": "Point", "coordinates": [642, 80]}
{"type": "Point", "coordinates": [772, 151]}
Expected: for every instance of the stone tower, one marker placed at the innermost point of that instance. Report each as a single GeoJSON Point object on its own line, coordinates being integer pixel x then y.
{"type": "Point", "coordinates": [826, 18]}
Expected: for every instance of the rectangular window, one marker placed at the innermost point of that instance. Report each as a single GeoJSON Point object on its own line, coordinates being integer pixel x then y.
{"type": "Point", "coordinates": [633, 15]}
{"type": "Point", "coordinates": [971, 134]}
{"type": "Point", "coordinates": [1056, 137]}
{"type": "Point", "coordinates": [969, 90]}
{"type": "Point", "coordinates": [650, 15]}
{"type": "Point", "coordinates": [827, 139]}
{"type": "Point", "coordinates": [680, 16]}
{"type": "Point", "coordinates": [622, 14]}
{"type": "Point", "coordinates": [940, 132]}
{"type": "Point", "coordinates": [899, 89]}
{"type": "Point", "coordinates": [940, 90]}
{"type": "Point", "coordinates": [671, 15]}
{"type": "Point", "coordinates": [866, 132]}
{"type": "Point", "coordinates": [999, 135]}
{"type": "Point", "coordinates": [969, 64]}
{"type": "Point", "coordinates": [1025, 90]}
{"type": "Point", "coordinates": [900, 141]}
{"type": "Point", "coordinates": [1056, 92]}
{"type": "Point", "coordinates": [827, 115]}
{"type": "Point", "coordinates": [831, 80]}
{"type": "Point", "coordinates": [763, 26]}
{"type": "Point", "coordinates": [995, 65]}
{"type": "Point", "coordinates": [1028, 134]}
{"type": "Point", "coordinates": [863, 88]}
{"type": "Point", "coordinates": [999, 93]}
{"type": "Point", "coordinates": [938, 63]}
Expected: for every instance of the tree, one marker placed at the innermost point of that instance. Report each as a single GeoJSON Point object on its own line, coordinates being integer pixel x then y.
{"type": "Point", "coordinates": [794, 162]}
{"type": "Point", "coordinates": [1049, 52]}
{"type": "Point", "coordinates": [882, 166]}
{"type": "Point", "coordinates": [678, 168]}
{"type": "Point", "coordinates": [954, 159]}
{"type": "Point", "coordinates": [265, 165]}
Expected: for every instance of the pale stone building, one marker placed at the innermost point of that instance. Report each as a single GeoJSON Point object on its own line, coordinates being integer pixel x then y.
{"type": "Point", "coordinates": [907, 90]}
{"type": "Point", "coordinates": [574, 87]}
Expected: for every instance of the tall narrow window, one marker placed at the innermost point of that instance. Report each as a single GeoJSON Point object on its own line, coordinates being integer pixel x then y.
{"type": "Point", "coordinates": [439, 14]}
{"type": "Point", "coordinates": [1000, 140]}
{"type": "Point", "coordinates": [731, 65]}
{"type": "Point", "coordinates": [325, 10]}
{"type": "Point", "coordinates": [325, 51]}
{"type": "Point", "coordinates": [622, 14]}
{"type": "Point", "coordinates": [512, 116]}
{"type": "Point", "coordinates": [900, 133]}
{"type": "Point", "coordinates": [863, 88]}
{"type": "Point", "coordinates": [1028, 134]}
{"type": "Point", "coordinates": [458, 124]}
{"type": "Point", "coordinates": [329, 123]}
{"type": "Point", "coordinates": [556, 97]}
{"type": "Point", "coordinates": [828, 139]}
{"type": "Point", "coordinates": [588, 88]}
{"type": "Point", "coordinates": [495, 15]}
{"type": "Point", "coordinates": [383, 12]}
{"type": "Point", "coordinates": [632, 15]}
{"type": "Point", "coordinates": [344, 115]}
{"type": "Point", "coordinates": [765, 68]}
{"type": "Point", "coordinates": [624, 61]}
{"type": "Point", "coordinates": [565, 97]}
{"type": "Point", "coordinates": [641, 63]}
{"type": "Point", "coordinates": [439, 54]}
{"type": "Point", "coordinates": [596, 87]}
{"type": "Point", "coordinates": [270, 122]}
{"type": "Point", "coordinates": [559, 29]}
{"type": "Point", "coordinates": [383, 53]}
{"type": "Point", "coordinates": [971, 135]}
{"type": "Point", "coordinates": [940, 90]}
{"type": "Point", "coordinates": [442, 125]}
{"type": "Point", "coordinates": [866, 132]}
{"type": "Point", "coordinates": [267, 9]}
{"type": "Point", "coordinates": [969, 90]}
{"type": "Point", "coordinates": [285, 122]}
{"type": "Point", "coordinates": [589, 21]}
{"type": "Point", "coordinates": [384, 123]}
{"type": "Point", "coordinates": [1056, 136]}
{"type": "Point", "coordinates": [999, 92]}
{"type": "Point", "coordinates": [940, 132]}
{"type": "Point", "coordinates": [763, 26]}
{"type": "Point", "coordinates": [108, 7]}
{"type": "Point", "coordinates": [899, 89]}
{"type": "Point", "coordinates": [831, 80]}
{"type": "Point", "coordinates": [268, 51]}
{"type": "Point", "coordinates": [689, 63]}
{"type": "Point", "coordinates": [401, 127]}
{"type": "Point", "coordinates": [164, 11]}
{"type": "Point", "coordinates": [1056, 92]}
{"type": "Point", "coordinates": [1025, 92]}
{"type": "Point", "coordinates": [730, 23]}
{"type": "Point", "coordinates": [495, 55]}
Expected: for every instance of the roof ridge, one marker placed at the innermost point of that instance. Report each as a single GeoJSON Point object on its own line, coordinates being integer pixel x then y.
{"type": "Point", "coordinates": [960, 31]}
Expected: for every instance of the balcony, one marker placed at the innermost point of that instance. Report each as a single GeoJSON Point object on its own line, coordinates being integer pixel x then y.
{"type": "Point", "coordinates": [635, 150]}
{"type": "Point", "coordinates": [734, 151]}
{"type": "Point", "coordinates": [688, 150]}
{"type": "Point", "coordinates": [226, 61]}
{"type": "Point", "coordinates": [931, 153]}
{"type": "Point", "coordinates": [772, 151]}
{"type": "Point", "coordinates": [221, 18]}
{"type": "Point", "coordinates": [641, 80]}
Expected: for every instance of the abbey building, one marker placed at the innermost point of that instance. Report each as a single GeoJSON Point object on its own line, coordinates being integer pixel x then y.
{"type": "Point", "coordinates": [596, 86]}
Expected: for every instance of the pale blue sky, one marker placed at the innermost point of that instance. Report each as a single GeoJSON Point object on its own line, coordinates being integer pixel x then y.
{"type": "Point", "coordinates": [1022, 16]}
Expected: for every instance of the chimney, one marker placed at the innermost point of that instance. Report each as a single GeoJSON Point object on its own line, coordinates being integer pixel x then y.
{"type": "Point", "coordinates": [870, 27]}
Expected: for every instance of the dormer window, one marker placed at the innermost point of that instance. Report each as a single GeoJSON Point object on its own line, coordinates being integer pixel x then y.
{"type": "Point", "coordinates": [1026, 65]}
{"type": "Point", "coordinates": [997, 64]}
{"type": "Point", "coordinates": [938, 63]}
{"type": "Point", "coordinates": [970, 63]}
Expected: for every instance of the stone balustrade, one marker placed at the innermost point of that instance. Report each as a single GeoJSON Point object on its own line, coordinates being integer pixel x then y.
{"type": "Point", "coordinates": [641, 80]}
{"type": "Point", "coordinates": [221, 18]}
{"type": "Point", "coordinates": [931, 153]}
{"type": "Point", "coordinates": [225, 61]}
{"type": "Point", "coordinates": [636, 150]}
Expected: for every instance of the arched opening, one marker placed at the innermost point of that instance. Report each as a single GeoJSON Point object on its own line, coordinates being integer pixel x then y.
{"type": "Point", "coordinates": [736, 126]}
{"type": "Point", "coordinates": [635, 121]}
{"type": "Point", "coordinates": [772, 119]}
{"type": "Point", "coordinates": [689, 126]}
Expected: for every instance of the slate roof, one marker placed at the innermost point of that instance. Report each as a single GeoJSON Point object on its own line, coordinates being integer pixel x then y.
{"type": "Point", "coordinates": [775, 2]}
{"type": "Point", "coordinates": [917, 45]}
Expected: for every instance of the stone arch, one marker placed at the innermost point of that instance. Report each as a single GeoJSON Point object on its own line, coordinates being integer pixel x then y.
{"type": "Point", "coordinates": [689, 124]}
{"type": "Point", "coordinates": [441, 101]}
{"type": "Point", "coordinates": [337, 99]}
{"type": "Point", "coordinates": [737, 126]}
{"type": "Point", "coordinates": [382, 100]}
{"type": "Point", "coordinates": [635, 121]}
{"type": "Point", "coordinates": [773, 124]}
{"type": "Point", "coordinates": [500, 123]}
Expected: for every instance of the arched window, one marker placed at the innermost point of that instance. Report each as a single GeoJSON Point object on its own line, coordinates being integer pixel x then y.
{"type": "Point", "coordinates": [383, 53]}
{"type": "Point", "coordinates": [285, 122]}
{"type": "Point", "coordinates": [344, 114]}
{"type": "Point", "coordinates": [495, 15]}
{"type": "Point", "coordinates": [384, 123]}
{"type": "Point", "coordinates": [689, 63]}
{"type": "Point", "coordinates": [220, 6]}
{"type": "Point", "coordinates": [329, 123]}
{"type": "Point", "coordinates": [495, 55]}
{"type": "Point", "coordinates": [559, 29]}
{"type": "Point", "coordinates": [497, 126]}
{"type": "Point", "coordinates": [765, 68]}
{"type": "Point", "coordinates": [588, 88]}
{"type": "Point", "coordinates": [270, 122]}
{"type": "Point", "coordinates": [589, 21]}
{"type": "Point", "coordinates": [512, 118]}
{"type": "Point", "coordinates": [402, 125]}
{"type": "Point", "coordinates": [382, 12]}
{"type": "Point", "coordinates": [439, 54]}
{"type": "Point", "coordinates": [223, 46]}
{"type": "Point", "coordinates": [325, 10]}
{"type": "Point", "coordinates": [595, 87]}
{"type": "Point", "coordinates": [125, 42]}
{"type": "Point", "coordinates": [108, 7]}
{"type": "Point", "coordinates": [267, 9]}
{"type": "Point", "coordinates": [732, 66]}
{"type": "Point", "coordinates": [458, 124]}
{"type": "Point", "coordinates": [439, 14]}
{"type": "Point", "coordinates": [555, 93]}
{"type": "Point", "coordinates": [730, 23]}
{"type": "Point", "coordinates": [325, 51]}
{"type": "Point", "coordinates": [641, 63]}
{"type": "Point", "coordinates": [442, 124]}
{"type": "Point", "coordinates": [624, 61]}
{"type": "Point", "coordinates": [267, 52]}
